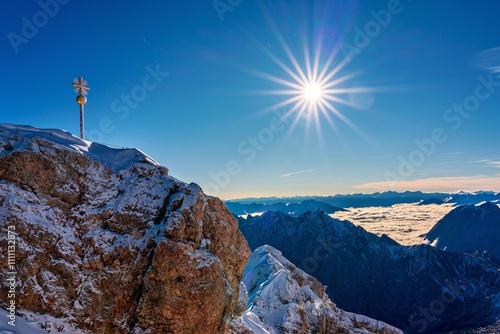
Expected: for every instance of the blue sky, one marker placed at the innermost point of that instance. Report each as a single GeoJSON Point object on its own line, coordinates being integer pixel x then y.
{"type": "Point", "coordinates": [193, 84]}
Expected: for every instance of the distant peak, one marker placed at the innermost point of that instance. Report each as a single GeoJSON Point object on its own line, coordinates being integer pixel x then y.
{"type": "Point", "coordinates": [487, 205]}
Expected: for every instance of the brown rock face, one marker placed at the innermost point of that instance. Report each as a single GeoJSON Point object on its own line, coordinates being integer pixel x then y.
{"type": "Point", "coordinates": [116, 249]}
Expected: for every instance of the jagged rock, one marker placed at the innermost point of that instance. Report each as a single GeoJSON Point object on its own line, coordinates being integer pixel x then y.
{"type": "Point", "coordinates": [284, 299]}
{"type": "Point", "coordinates": [111, 243]}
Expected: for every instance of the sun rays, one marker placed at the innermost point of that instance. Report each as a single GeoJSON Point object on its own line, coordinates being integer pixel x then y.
{"type": "Point", "coordinates": [313, 86]}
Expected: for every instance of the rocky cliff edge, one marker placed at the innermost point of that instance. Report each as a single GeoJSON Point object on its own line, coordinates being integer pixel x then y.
{"type": "Point", "coordinates": [107, 241]}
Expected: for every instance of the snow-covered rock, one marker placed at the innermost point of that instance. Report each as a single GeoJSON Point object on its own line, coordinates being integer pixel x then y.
{"type": "Point", "coordinates": [469, 228]}
{"type": "Point", "coordinates": [108, 242]}
{"type": "Point", "coordinates": [31, 323]}
{"type": "Point", "coordinates": [284, 299]}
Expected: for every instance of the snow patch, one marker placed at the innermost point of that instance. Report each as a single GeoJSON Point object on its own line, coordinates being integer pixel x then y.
{"type": "Point", "coordinates": [31, 323]}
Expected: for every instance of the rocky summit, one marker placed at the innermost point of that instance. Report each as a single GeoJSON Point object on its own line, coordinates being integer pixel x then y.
{"type": "Point", "coordinates": [108, 242]}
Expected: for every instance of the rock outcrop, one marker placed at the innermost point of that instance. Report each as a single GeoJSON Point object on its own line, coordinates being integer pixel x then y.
{"type": "Point", "coordinates": [284, 299]}
{"type": "Point", "coordinates": [109, 242]}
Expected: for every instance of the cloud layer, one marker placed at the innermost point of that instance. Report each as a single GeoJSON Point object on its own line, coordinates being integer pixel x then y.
{"type": "Point", "coordinates": [404, 223]}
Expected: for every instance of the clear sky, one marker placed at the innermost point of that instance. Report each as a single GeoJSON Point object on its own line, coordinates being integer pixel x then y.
{"type": "Point", "coordinates": [405, 94]}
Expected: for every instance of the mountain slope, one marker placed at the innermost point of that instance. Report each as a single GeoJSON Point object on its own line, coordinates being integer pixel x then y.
{"type": "Point", "coordinates": [107, 241]}
{"type": "Point", "coordinates": [379, 278]}
{"type": "Point", "coordinates": [469, 228]}
{"type": "Point", "coordinates": [284, 299]}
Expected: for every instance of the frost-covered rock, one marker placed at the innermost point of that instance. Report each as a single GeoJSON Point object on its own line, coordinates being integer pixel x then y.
{"type": "Point", "coordinates": [284, 299]}
{"type": "Point", "coordinates": [108, 242]}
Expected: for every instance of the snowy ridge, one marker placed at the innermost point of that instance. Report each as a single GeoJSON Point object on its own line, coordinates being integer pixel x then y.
{"type": "Point", "coordinates": [284, 299]}
{"type": "Point", "coordinates": [115, 159]}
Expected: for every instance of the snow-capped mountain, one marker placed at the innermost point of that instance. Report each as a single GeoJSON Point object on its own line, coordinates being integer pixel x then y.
{"type": "Point", "coordinates": [284, 299]}
{"type": "Point", "coordinates": [469, 228]}
{"type": "Point", "coordinates": [420, 289]}
{"type": "Point", "coordinates": [383, 199]}
{"type": "Point", "coordinates": [107, 242]}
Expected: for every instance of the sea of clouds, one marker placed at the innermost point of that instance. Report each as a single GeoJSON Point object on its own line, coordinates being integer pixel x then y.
{"type": "Point", "coordinates": [405, 223]}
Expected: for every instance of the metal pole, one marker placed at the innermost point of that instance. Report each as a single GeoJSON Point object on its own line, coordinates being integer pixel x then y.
{"type": "Point", "coordinates": [81, 122]}
{"type": "Point", "coordinates": [81, 88]}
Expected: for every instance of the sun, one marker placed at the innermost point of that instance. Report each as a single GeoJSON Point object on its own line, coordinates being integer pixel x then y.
{"type": "Point", "coordinates": [313, 84]}
{"type": "Point", "coordinates": [312, 92]}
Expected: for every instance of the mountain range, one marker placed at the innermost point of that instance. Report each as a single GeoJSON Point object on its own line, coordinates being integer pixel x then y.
{"type": "Point", "coordinates": [420, 289]}
{"type": "Point", "coordinates": [292, 208]}
{"type": "Point", "coordinates": [382, 199]}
